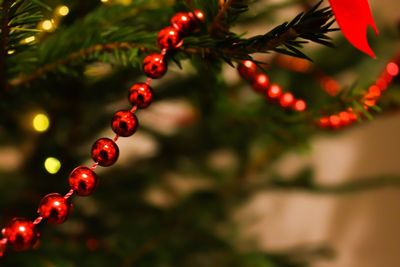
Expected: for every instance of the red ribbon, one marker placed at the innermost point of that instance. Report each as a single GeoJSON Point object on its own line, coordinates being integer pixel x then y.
{"type": "Point", "coordinates": [354, 17]}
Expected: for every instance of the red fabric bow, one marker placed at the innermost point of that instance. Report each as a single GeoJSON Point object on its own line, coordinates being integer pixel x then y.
{"type": "Point", "coordinates": [354, 17]}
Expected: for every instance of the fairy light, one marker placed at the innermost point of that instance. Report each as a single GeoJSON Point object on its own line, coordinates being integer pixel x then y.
{"type": "Point", "coordinates": [47, 25]}
{"type": "Point", "coordinates": [10, 52]}
{"type": "Point", "coordinates": [63, 10]}
{"type": "Point", "coordinates": [104, 1]}
{"type": "Point", "coordinates": [29, 39]}
{"type": "Point", "coordinates": [41, 122]}
{"type": "Point", "coordinates": [52, 165]}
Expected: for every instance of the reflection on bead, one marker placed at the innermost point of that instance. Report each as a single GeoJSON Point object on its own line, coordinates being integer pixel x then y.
{"type": "Point", "coordinates": [274, 92]}
{"type": "Point", "coordinates": [247, 69]}
{"type": "Point", "coordinates": [169, 38]}
{"type": "Point", "coordinates": [260, 83]}
{"type": "Point", "coordinates": [183, 22]}
{"type": "Point", "coordinates": [124, 123]}
{"type": "Point", "coordinates": [83, 181]}
{"type": "Point", "coordinates": [105, 151]}
{"type": "Point", "coordinates": [140, 95]}
{"type": "Point", "coordinates": [286, 100]}
{"type": "Point", "coordinates": [21, 234]}
{"type": "Point", "coordinates": [54, 207]}
{"type": "Point", "coordinates": [199, 15]}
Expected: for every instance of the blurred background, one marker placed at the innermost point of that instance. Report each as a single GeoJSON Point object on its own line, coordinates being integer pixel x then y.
{"type": "Point", "coordinates": [215, 175]}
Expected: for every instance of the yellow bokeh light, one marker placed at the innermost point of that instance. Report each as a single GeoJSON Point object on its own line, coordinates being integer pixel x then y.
{"type": "Point", "coordinates": [10, 52]}
{"type": "Point", "coordinates": [47, 25]}
{"type": "Point", "coordinates": [52, 165]}
{"type": "Point", "coordinates": [63, 10]}
{"type": "Point", "coordinates": [40, 122]}
{"type": "Point", "coordinates": [104, 1]}
{"type": "Point", "coordinates": [29, 39]}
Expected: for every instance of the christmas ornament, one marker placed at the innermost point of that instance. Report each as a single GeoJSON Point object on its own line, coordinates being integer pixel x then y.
{"type": "Point", "coordinates": [20, 233]}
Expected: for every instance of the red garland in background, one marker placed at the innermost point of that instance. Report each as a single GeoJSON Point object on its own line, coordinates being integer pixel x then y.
{"type": "Point", "coordinates": [368, 100]}
{"type": "Point", "coordinates": [21, 233]}
{"type": "Point", "coordinates": [272, 92]}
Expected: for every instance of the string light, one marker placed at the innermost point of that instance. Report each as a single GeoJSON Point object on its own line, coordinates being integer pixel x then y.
{"type": "Point", "coordinates": [52, 165]}
{"type": "Point", "coordinates": [29, 39]}
{"type": "Point", "coordinates": [10, 52]}
{"type": "Point", "coordinates": [40, 122]}
{"type": "Point", "coordinates": [63, 10]}
{"type": "Point", "coordinates": [47, 25]}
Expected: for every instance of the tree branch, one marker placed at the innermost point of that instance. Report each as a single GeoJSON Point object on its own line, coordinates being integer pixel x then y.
{"type": "Point", "coordinates": [5, 30]}
{"type": "Point", "coordinates": [25, 79]}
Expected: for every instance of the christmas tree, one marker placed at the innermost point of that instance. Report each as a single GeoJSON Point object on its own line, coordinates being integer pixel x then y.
{"type": "Point", "coordinates": [205, 98]}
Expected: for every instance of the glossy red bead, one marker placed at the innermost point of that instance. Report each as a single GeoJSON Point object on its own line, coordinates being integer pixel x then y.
{"type": "Point", "coordinates": [21, 234]}
{"type": "Point", "coordinates": [260, 83]}
{"type": "Point", "coordinates": [169, 38]}
{"type": "Point", "coordinates": [105, 152]}
{"type": "Point", "coordinates": [124, 123]}
{"type": "Point", "coordinates": [183, 22]}
{"type": "Point", "coordinates": [55, 208]}
{"type": "Point", "coordinates": [274, 92]}
{"type": "Point", "coordinates": [299, 105]}
{"type": "Point", "coordinates": [199, 15]}
{"type": "Point", "coordinates": [154, 66]}
{"type": "Point", "coordinates": [286, 100]}
{"type": "Point", "coordinates": [140, 95]}
{"type": "Point", "coordinates": [247, 69]}
{"type": "Point", "coordinates": [83, 181]}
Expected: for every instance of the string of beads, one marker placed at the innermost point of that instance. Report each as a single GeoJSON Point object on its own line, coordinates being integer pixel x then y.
{"type": "Point", "coordinates": [21, 233]}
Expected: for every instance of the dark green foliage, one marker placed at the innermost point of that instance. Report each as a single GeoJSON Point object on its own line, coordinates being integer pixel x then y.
{"type": "Point", "coordinates": [118, 226]}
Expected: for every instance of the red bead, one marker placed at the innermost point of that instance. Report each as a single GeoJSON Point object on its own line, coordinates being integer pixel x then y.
{"type": "Point", "coordinates": [247, 69]}
{"type": "Point", "coordinates": [183, 22]}
{"type": "Point", "coordinates": [169, 38]}
{"type": "Point", "coordinates": [199, 15]}
{"type": "Point", "coordinates": [21, 234]}
{"type": "Point", "coordinates": [334, 121]}
{"type": "Point", "coordinates": [274, 92]}
{"type": "Point", "coordinates": [83, 181]}
{"type": "Point", "coordinates": [324, 122]}
{"type": "Point", "coordinates": [286, 100]}
{"type": "Point", "coordinates": [124, 123]}
{"type": "Point", "coordinates": [105, 152]}
{"type": "Point", "coordinates": [154, 66]}
{"type": "Point", "coordinates": [54, 207]}
{"type": "Point", "coordinates": [140, 95]}
{"type": "Point", "coordinates": [392, 69]}
{"type": "Point", "coordinates": [299, 105]}
{"type": "Point", "coordinates": [260, 83]}
{"type": "Point", "coordinates": [344, 118]}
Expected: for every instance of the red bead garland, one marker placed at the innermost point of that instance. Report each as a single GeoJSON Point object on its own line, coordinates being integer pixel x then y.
{"type": "Point", "coordinates": [368, 100]}
{"type": "Point", "coordinates": [260, 82]}
{"type": "Point", "coordinates": [20, 233]}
